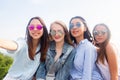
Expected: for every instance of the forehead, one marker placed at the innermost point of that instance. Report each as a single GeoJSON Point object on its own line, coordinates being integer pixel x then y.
{"type": "Point", "coordinates": [100, 27]}
{"type": "Point", "coordinates": [56, 27]}
{"type": "Point", "coordinates": [35, 21]}
{"type": "Point", "coordinates": [75, 20]}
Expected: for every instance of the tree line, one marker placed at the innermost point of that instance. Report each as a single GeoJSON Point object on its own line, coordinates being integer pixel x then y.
{"type": "Point", "coordinates": [5, 63]}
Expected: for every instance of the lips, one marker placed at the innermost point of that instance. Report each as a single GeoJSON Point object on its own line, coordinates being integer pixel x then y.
{"type": "Point", "coordinates": [75, 32]}
{"type": "Point", "coordinates": [35, 34]}
{"type": "Point", "coordinates": [56, 37]}
{"type": "Point", "coordinates": [99, 39]}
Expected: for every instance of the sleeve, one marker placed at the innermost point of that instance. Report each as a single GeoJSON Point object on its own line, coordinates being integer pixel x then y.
{"type": "Point", "coordinates": [89, 61]}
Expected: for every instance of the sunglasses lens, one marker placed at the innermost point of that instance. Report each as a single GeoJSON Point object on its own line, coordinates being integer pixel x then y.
{"type": "Point", "coordinates": [39, 27]}
{"type": "Point", "coordinates": [31, 27]}
{"type": "Point", "coordinates": [95, 32]}
{"type": "Point", "coordinates": [78, 24]}
{"type": "Point", "coordinates": [103, 32]}
{"type": "Point", "coordinates": [52, 32]}
{"type": "Point", "coordinates": [100, 32]}
{"type": "Point", "coordinates": [60, 32]}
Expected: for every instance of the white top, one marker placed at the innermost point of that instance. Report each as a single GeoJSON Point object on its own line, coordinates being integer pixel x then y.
{"type": "Point", "coordinates": [104, 69]}
{"type": "Point", "coordinates": [23, 68]}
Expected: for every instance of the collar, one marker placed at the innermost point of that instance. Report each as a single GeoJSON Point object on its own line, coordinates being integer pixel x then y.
{"type": "Point", "coordinates": [82, 42]}
{"type": "Point", "coordinates": [65, 46]}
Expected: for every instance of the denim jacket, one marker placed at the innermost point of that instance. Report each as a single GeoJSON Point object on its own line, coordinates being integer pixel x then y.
{"type": "Point", "coordinates": [41, 72]}
{"type": "Point", "coordinates": [63, 72]}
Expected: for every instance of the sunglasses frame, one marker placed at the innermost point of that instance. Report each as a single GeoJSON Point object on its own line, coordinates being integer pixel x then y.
{"type": "Point", "coordinates": [102, 32]}
{"type": "Point", "coordinates": [32, 27]}
{"type": "Point", "coordinates": [53, 32]}
{"type": "Point", "coordinates": [78, 24]}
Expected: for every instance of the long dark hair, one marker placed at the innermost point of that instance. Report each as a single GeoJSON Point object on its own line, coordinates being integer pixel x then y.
{"type": "Point", "coordinates": [87, 34]}
{"type": "Point", "coordinates": [43, 41]}
{"type": "Point", "coordinates": [102, 46]}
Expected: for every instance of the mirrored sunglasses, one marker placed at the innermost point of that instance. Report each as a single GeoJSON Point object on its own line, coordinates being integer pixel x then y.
{"type": "Point", "coordinates": [32, 27]}
{"type": "Point", "coordinates": [78, 24]}
{"type": "Point", "coordinates": [102, 32]}
{"type": "Point", "coordinates": [59, 32]}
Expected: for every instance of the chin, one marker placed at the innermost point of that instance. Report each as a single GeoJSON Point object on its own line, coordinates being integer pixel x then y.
{"type": "Point", "coordinates": [57, 41]}
{"type": "Point", "coordinates": [36, 38]}
{"type": "Point", "coordinates": [100, 41]}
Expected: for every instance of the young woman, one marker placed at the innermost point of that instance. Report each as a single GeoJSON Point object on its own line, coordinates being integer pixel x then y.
{"type": "Point", "coordinates": [107, 54]}
{"type": "Point", "coordinates": [84, 67]}
{"type": "Point", "coordinates": [29, 52]}
{"type": "Point", "coordinates": [60, 53]}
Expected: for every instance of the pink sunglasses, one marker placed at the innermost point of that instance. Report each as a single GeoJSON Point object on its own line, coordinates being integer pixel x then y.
{"type": "Point", "coordinates": [32, 27]}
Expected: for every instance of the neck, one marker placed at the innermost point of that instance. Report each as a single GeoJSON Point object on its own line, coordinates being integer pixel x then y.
{"type": "Point", "coordinates": [35, 43]}
{"type": "Point", "coordinates": [78, 39]}
{"type": "Point", "coordinates": [59, 45]}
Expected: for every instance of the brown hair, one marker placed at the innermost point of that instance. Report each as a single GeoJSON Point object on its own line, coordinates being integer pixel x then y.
{"type": "Point", "coordinates": [67, 36]}
{"type": "Point", "coordinates": [102, 46]}
{"type": "Point", "coordinates": [43, 41]}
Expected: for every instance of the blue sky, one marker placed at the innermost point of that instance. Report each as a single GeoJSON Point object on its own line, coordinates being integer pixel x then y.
{"type": "Point", "coordinates": [15, 14]}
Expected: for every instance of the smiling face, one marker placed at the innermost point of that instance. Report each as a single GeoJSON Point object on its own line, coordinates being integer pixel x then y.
{"type": "Point", "coordinates": [76, 30]}
{"type": "Point", "coordinates": [100, 33]}
{"type": "Point", "coordinates": [57, 32]}
{"type": "Point", "coordinates": [35, 29]}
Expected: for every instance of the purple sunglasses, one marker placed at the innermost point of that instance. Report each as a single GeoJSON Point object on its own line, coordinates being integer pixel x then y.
{"type": "Point", "coordinates": [32, 27]}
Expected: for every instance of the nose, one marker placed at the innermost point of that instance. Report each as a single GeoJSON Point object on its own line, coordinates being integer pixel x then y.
{"type": "Point", "coordinates": [56, 34]}
{"type": "Point", "coordinates": [75, 27]}
{"type": "Point", "coordinates": [35, 28]}
{"type": "Point", "coordinates": [100, 34]}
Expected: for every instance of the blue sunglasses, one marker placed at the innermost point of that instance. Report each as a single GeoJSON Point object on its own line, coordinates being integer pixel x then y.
{"type": "Point", "coordinates": [78, 24]}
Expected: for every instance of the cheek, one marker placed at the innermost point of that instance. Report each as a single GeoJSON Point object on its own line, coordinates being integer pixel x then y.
{"type": "Point", "coordinates": [105, 37]}
{"type": "Point", "coordinates": [63, 35]}
{"type": "Point", "coordinates": [42, 32]}
{"type": "Point", "coordinates": [30, 33]}
{"type": "Point", "coordinates": [82, 30]}
{"type": "Point", "coordinates": [72, 33]}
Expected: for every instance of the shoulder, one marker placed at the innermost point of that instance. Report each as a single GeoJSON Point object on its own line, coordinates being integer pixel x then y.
{"type": "Point", "coordinates": [68, 46]}
{"type": "Point", "coordinates": [21, 42]}
{"type": "Point", "coordinates": [111, 49]}
{"type": "Point", "coordinates": [90, 45]}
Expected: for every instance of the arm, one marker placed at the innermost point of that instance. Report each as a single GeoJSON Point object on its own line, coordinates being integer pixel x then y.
{"type": "Point", "coordinates": [112, 61]}
{"type": "Point", "coordinates": [7, 44]}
